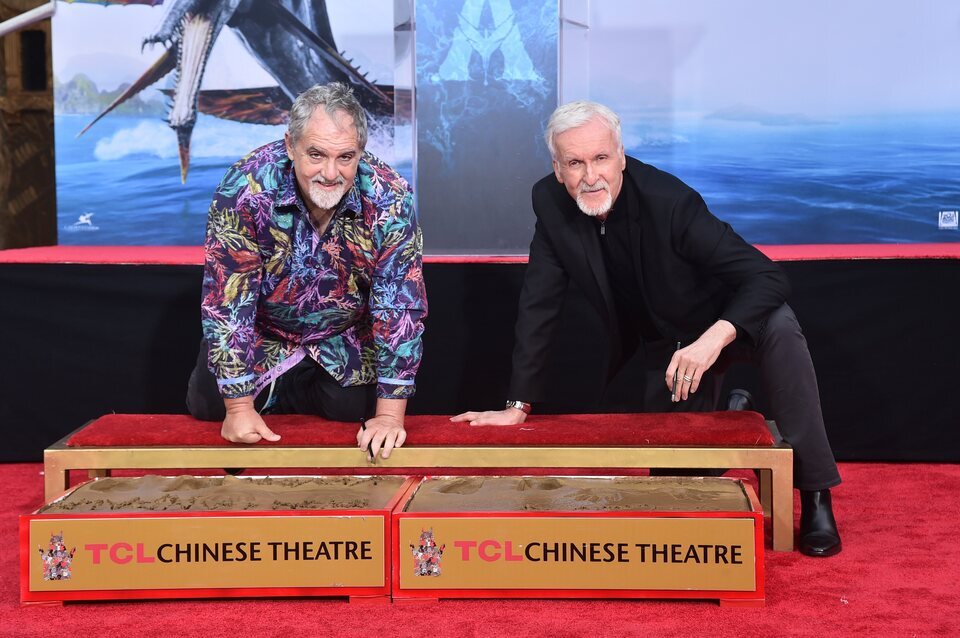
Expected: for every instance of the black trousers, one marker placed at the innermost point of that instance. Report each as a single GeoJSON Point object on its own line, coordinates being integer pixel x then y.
{"type": "Point", "coordinates": [789, 380]}
{"type": "Point", "coordinates": [306, 388]}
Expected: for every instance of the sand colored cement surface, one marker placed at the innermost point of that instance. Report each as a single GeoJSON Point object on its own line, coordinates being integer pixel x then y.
{"type": "Point", "coordinates": [566, 494]}
{"type": "Point", "coordinates": [196, 494]}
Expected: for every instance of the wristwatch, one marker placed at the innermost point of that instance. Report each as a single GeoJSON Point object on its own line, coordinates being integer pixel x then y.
{"type": "Point", "coordinates": [526, 408]}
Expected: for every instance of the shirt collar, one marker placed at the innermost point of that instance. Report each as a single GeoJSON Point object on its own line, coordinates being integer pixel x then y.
{"type": "Point", "coordinates": [351, 201]}
{"type": "Point", "coordinates": [625, 198]}
{"type": "Point", "coordinates": [287, 194]}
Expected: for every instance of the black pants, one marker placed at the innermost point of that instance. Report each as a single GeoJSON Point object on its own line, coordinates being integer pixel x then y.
{"type": "Point", "coordinates": [789, 380]}
{"type": "Point", "coordinates": [306, 388]}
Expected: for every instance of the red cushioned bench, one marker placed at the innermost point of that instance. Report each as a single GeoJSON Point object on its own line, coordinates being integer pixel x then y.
{"type": "Point", "coordinates": [601, 444]}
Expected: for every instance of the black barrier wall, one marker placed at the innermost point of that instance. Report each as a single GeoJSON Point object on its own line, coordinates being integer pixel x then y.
{"type": "Point", "coordinates": [81, 341]}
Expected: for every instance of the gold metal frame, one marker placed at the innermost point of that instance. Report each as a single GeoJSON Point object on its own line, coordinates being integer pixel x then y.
{"type": "Point", "coordinates": [774, 464]}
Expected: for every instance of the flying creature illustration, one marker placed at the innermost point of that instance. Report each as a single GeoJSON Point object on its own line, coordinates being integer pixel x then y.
{"type": "Point", "coordinates": [291, 39]}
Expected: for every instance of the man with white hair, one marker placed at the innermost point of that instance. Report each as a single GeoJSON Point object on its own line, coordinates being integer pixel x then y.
{"type": "Point", "coordinates": [669, 278]}
{"type": "Point", "coordinates": [313, 295]}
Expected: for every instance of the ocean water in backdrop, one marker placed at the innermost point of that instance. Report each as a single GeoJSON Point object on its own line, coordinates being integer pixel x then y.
{"type": "Point", "coordinates": [857, 180]}
{"type": "Point", "coordinates": [119, 184]}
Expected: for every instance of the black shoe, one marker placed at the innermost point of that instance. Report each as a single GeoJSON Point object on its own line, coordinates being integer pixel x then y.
{"type": "Point", "coordinates": [818, 529]}
{"type": "Point", "coordinates": [234, 471]}
{"type": "Point", "coordinates": [740, 400]}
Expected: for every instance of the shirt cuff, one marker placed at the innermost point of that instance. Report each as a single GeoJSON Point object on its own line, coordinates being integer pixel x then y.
{"type": "Point", "coordinates": [388, 388]}
{"type": "Point", "coordinates": [236, 388]}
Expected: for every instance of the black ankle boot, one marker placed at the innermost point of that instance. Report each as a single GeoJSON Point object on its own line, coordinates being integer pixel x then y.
{"type": "Point", "coordinates": [740, 399]}
{"type": "Point", "coordinates": [818, 528]}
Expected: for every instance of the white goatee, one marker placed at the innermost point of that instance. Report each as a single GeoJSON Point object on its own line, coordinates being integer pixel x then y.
{"type": "Point", "coordinates": [325, 199]}
{"type": "Point", "coordinates": [603, 207]}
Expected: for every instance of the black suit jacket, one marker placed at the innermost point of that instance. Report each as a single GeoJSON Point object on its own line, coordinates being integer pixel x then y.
{"type": "Point", "coordinates": [692, 269]}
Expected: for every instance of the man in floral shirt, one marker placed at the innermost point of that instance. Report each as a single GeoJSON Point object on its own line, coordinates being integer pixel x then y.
{"type": "Point", "coordinates": [313, 295]}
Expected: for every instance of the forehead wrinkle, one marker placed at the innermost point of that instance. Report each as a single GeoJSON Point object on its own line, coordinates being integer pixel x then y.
{"type": "Point", "coordinates": [333, 149]}
{"type": "Point", "coordinates": [335, 133]}
{"type": "Point", "coordinates": [592, 138]}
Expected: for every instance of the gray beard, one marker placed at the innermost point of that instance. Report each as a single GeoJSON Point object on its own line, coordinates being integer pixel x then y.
{"type": "Point", "coordinates": [594, 211]}
{"type": "Point", "coordinates": [326, 200]}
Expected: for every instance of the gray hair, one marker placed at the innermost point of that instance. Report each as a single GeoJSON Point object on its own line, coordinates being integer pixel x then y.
{"type": "Point", "coordinates": [575, 114]}
{"type": "Point", "coordinates": [333, 97]}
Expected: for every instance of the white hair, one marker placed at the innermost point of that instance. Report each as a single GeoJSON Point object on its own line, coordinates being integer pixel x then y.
{"type": "Point", "coordinates": [575, 114]}
{"type": "Point", "coordinates": [333, 97]}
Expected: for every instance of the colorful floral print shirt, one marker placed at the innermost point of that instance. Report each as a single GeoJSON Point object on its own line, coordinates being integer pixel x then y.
{"type": "Point", "coordinates": [275, 291]}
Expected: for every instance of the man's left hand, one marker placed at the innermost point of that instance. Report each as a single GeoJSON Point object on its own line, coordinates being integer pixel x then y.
{"type": "Point", "coordinates": [692, 362]}
{"type": "Point", "coordinates": [383, 433]}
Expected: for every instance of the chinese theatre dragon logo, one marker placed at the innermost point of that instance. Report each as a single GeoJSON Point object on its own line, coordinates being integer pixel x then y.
{"type": "Point", "coordinates": [427, 555]}
{"type": "Point", "coordinates": [56, 559]}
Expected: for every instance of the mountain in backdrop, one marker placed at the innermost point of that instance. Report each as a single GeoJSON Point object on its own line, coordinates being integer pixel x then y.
{"type": "Point", "coordinates": [81, 96]}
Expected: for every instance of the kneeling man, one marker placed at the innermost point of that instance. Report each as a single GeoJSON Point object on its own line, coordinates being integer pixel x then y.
{"type": "Point", "coordinates": [666, 276]}
{"type": "Point", "coordinates": [313, 295]}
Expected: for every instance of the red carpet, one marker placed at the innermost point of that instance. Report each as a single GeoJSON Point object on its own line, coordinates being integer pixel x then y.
{"type": "Point", "coordinates": [897, 576]}
{"type": "Point", "coordinates": [739, 428]}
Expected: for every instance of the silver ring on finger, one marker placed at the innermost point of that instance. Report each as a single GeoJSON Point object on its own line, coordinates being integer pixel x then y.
{"type": "Point", "coordinates": [688, 379]}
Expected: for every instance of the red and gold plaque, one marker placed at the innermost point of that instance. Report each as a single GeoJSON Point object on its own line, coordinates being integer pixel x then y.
{"type": "Point", "coordinates": [185, 537]}
{"type": "Point", "coordinates": [580, 537]}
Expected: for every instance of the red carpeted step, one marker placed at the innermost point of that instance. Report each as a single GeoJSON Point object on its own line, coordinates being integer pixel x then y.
{"type": "Point", "coordinates": [635, 430]}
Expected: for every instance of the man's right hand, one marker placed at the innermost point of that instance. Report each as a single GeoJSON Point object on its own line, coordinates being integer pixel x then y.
{"type": "Point", "coordinates": [243, 424]}
{"type": "Point", "coordinates": [509, 416]}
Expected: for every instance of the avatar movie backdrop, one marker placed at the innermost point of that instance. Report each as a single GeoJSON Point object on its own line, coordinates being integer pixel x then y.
{"type": "Point", "coordinates": [800, 123]}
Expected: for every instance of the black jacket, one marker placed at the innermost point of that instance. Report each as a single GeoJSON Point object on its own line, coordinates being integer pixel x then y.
{"type": "Point", "coordinates": [693, 269]}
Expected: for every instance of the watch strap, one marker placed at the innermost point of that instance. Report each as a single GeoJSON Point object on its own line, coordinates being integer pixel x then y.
{"type": "Point", "coordinates": [526, 408]}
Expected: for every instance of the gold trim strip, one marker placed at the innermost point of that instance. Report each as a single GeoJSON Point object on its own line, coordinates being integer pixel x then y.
{"type": "Point", "coordinates": [776, 492]}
